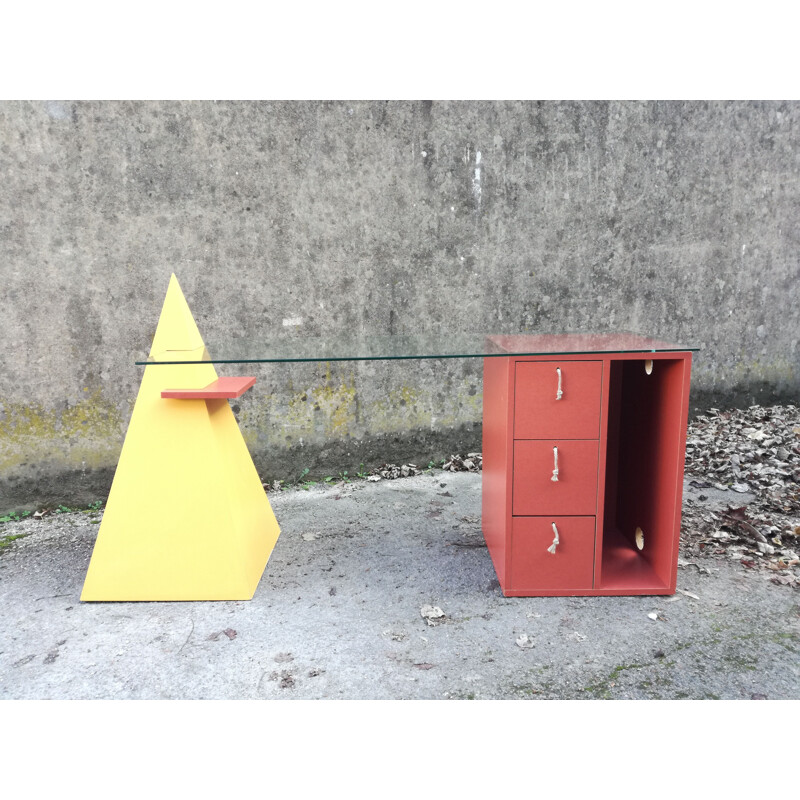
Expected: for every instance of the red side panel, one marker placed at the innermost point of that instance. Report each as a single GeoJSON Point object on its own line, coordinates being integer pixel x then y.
{"type": "Point", "coordinates": [496, 512]}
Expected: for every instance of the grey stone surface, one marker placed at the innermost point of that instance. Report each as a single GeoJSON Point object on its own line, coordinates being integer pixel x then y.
{"type": "Point", "coordinates": [671, 218]}
{"type": "Point", "coordinates": [338, 614]}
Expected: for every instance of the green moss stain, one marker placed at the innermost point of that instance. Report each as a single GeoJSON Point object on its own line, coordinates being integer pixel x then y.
{"type": "Point", "coordinates": [338, 408]}
{"type": "Point", "coordinates": [88, 433]}
{"type": "Point", "coordinates": [6, 541]}
{"type": "Point", "coordinates": [777, 371]}
{"type": "Point", "coordinates": [85, 434]}
{"type": "Point", "coordinates": [470, 409]}
{"type": "Point", "coordinates": [602, 689]}
{"type": "Point", "coordinates": [402, 409]}
{"type": "Point", "coordinates": [408, 408]}
{"type": "Point", "coordinates": [318, 413]}
{"type": "Point", "coordinates": [335, 410]}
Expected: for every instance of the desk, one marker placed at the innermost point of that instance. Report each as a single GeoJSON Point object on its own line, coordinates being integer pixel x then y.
{"type": "Point", "coordinates": [583, 449]}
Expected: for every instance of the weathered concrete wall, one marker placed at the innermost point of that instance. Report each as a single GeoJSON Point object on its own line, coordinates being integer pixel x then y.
{"type": "Point", "coordinates": [676, 219]}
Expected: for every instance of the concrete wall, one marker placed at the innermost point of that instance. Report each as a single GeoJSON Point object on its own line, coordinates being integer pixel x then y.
{"type": "Point", "coordinates": [676, 219]}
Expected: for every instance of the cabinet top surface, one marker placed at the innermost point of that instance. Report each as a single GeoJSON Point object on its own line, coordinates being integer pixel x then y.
{"type": "Point", "coordinates": [337, 348]}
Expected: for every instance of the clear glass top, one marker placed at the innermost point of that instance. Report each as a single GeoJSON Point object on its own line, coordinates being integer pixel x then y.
{"type": "Point", "coordinates": [375, 348]}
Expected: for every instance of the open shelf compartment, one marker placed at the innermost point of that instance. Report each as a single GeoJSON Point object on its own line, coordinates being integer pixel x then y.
{"type": "Point", "coordinates": [644, 473]}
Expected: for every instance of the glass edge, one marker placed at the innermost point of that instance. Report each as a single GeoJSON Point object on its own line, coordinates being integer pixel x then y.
{"type": "Point", "coordinates": [150, 363]}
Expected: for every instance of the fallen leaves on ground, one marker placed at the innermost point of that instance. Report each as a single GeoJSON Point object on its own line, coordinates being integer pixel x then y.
{"type": "Point", "coordinates": [229, 632]}
{"type": "Point", "coordinates": [433, 615]}
{"type": "Point", "coordinates": [755, 450]}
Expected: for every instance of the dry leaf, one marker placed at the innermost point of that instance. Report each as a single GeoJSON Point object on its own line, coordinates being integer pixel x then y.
{"type": "Point", "coordinates": [433, 615]}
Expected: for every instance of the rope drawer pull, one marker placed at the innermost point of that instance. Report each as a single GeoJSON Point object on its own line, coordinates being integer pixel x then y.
{"type": "Point", "coordinates": [559, 393]}
{"type": "Point", "coordinates": [552, 548]}
{"type": "Point", "coordinates": [555, 464]}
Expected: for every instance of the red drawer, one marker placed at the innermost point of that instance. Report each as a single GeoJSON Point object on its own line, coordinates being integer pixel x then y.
{"type": "Point", "coordinates": [534, 490]}
{"type": "Point", "coordinates": [570, 568]}
{"type": "Point", "coordinates": [539, 414]}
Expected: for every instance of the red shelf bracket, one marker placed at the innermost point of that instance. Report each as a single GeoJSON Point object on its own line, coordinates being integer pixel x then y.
{"type": "Point", "coordinates": [222, 388]}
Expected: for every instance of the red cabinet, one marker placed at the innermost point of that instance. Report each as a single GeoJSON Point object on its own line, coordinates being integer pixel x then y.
{"type": "Point", "coordinates": [580, 452]}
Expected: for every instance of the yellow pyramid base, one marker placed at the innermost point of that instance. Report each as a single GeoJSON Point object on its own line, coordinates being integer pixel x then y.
{"type": "Point", "coordinates": [187, 517]}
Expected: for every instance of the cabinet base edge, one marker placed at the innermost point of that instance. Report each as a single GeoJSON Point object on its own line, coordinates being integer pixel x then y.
{"type": "Point", "coordinates": [586, 592]}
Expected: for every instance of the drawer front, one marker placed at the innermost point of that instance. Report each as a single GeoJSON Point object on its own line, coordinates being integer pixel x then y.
{"type": "Point", "coordinates": [534, 490]}
{"type": "Point", "coordinates": [538, 411]}
{"type": "Point", "coordinates": [570, 568]}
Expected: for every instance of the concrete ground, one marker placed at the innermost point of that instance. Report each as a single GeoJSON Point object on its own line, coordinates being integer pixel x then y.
{"type": "Point", "coordinates": [337, 614]}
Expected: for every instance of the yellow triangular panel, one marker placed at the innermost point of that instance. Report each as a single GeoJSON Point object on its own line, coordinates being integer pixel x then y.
{"type": "Point", "coordinates": [187, 517]}
{"type": "Point", "coordinates": [176, 328]}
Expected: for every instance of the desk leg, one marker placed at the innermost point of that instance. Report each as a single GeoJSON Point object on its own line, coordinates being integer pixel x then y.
{"type": "Point", "coordinates": [187, 517]}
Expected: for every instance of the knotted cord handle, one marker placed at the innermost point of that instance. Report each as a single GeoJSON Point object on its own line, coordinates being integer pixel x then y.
{"type": "Point", "coordinates": [552, 548]}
